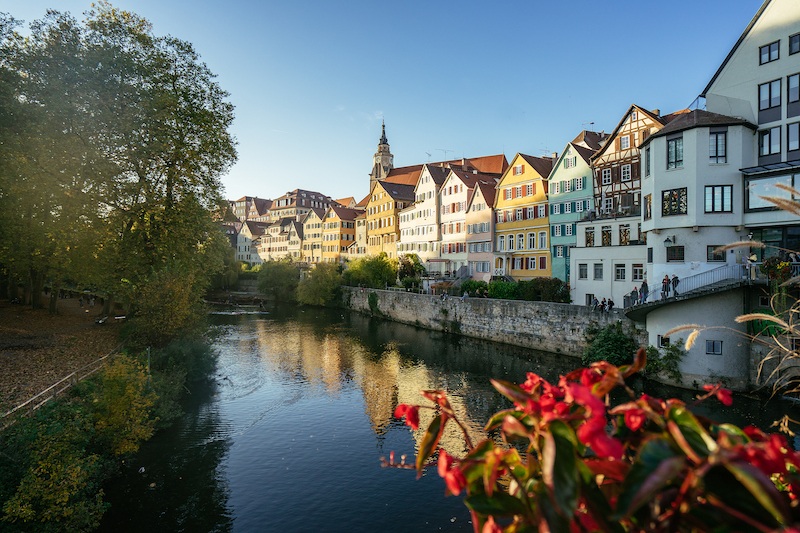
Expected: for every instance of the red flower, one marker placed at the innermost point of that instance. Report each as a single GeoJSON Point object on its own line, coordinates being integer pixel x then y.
{"type": "Point", "coordinates": [725, 396]}
{"type": "Point", "coordinates": [453, 477]}
{"type": "Point", "coordinates": [411, 412]}
{"type": "Point", "coordinates": [490, 526]}
{"type": "Point", "coordinates": [635, 419]}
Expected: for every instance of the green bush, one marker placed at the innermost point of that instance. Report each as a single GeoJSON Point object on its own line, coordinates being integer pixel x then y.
{"type": "Point", "coordinates": [279, 279]}
{"type": "Point", "coordinates": [474, 287]}
{"type": "Point", "coordinates": [506, 290]}
{"type": "Point", "coordinates": [376, 272]}
{"type": "Point", "coordinates": [322, 286]}
{"type": "Point", "coordinates": [611, 343]}
{"type": "Point", "coordinates": [666, 360]}
{"type": "Point", "coordinates": [544, 290]}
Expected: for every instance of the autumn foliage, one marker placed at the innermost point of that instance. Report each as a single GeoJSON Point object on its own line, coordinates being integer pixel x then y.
{"type": "Point", "coordinates": [566, 457]}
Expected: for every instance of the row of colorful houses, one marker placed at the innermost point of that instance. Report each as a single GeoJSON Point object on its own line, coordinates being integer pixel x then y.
{"type": "Point", "coordinates": [655, 197]}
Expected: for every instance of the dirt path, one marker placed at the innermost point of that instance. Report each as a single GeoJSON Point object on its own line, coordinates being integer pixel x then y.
{"type": "Point", "coordinates": [38, 349]}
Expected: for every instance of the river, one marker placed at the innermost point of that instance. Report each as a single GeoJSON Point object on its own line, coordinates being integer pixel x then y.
{"type": "Point", "coordinates": [290, 433]}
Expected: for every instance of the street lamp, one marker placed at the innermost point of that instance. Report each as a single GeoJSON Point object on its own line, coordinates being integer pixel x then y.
{"type": "Point", "coordinates": [668, 242]}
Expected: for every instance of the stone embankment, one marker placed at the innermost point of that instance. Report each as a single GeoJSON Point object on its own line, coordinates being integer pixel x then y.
{"type": "Point", "coordinates": [552, 327]}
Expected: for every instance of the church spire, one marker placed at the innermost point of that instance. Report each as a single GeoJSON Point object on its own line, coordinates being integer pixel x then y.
{"type": "Point", "coordinates": [383, 160]}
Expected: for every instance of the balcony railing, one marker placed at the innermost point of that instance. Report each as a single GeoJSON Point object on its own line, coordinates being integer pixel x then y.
{"type": "Point", "coordinates": [719, 277]}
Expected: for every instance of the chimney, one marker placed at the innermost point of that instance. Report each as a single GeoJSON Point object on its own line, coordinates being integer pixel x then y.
{"type": "Point", "coordinates": [555, 156]}
{"type": "Point", "coordinates": [657, 112]}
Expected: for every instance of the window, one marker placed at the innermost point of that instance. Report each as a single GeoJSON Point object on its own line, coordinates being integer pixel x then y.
{"type": "Point", "coordinates": [637, 272]}
{"type": "Point", "coordinates": [624, 142]}
{"type": "Point", "coordinates": [769, 141]}
{"type": "Point", "coordinates": [583, 271]}
{"type": "Point", "coordinates": [608, 205]}
{"type": "Point", "coordinates": [757, 188]}
{"type": "Point", "coordinates": [517, 191]}
{"type": "Point", "coordinates": [531, 263]}
{"type": "Point", "coordinates": [625, 173]}
{"type": "Point", "coordinates": [768, 53]}
{"type": "Point", "coordinates": [569, 162]}
{"type": "Point", "coordinates": [557, 230]}
{"type": "Point", "coordinates": [507, 193]}
{"type": "Point", "coordinates": [518, 214]}
{"type": "Point", "coordinates": [568, 207]}
{"type": "Point", "coordinates": [518, 263]}
{"type": "Point", "coordinates": [529, 189]}
{"type": "Point", "coordinates": [556, 209]}
{"type": "Point", "coordinates": [519, 169]}
{"type": "Point", "coordinates": [568, 230]}
{"type": "Point", "coordinates": [501, 243]}
{"type": "Point", "coordinates": [718, 198]}
{"type": "Point", "coordinates": [511, 243]}
{"type": "Point", "coordinates": [716, 147]}
{"type": "Point", "coordinates": [619, 272]}
{"type": "Point", "coordinates": [606, 176]}
{"type": "Point", "coordinates": [543, 263]}
{"type": "Point", "coordinates": [647, 161]}
{"type": "Point", "coordinates": [520, 241]}
{"type": "Point", "coordinates": [675, 253]}
{"type": "Point", "coordinates": [598, 271]}
{"type": "Point", "coordinates": [589, 237]}
{"type": "Point", "coordinates": [793, 88]}
{"type": "Point", "coordinates": [675, 152]}
{"type": "Point", "coordinates": [769, 95]}
{"type": "Point", "coordinates": [605, 235]}
{"type": "Point", "coordinates": [793, 136]}
{"type": "Point", "coordinates": [714, 347]}
{"type": "Point", "coordinates": [648, 206]}
{"type": "Point", "coordinates": [649, 254]}
{"type": "Point", "coordinates": [663, 342]}
{"type": "Point", "coordinates": [542, 211]}
{"type": "Point", "coordinates": [713, 256]}
{"type": "Point", "coordinates": [794, 43]}
{"type": "Point", "coordinates": [559, 251]}
{"type": "Point", "coordinates": [542, 240]}
{"type": "Point", "coordinates": [624, 234]}
{"type": "Point", "coordinates": [531, 241]}
{"type": "Point", "coordinates": [673, 202]}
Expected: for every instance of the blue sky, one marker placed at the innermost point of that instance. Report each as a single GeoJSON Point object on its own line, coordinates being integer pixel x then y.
{"type": "Point", "coordinates": [312, 80]}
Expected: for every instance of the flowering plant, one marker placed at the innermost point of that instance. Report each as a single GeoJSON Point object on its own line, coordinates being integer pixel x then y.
{"type": "Point", "coordinates": [565, 459]}
{"type": "Point", "coordinates": [777, 269]}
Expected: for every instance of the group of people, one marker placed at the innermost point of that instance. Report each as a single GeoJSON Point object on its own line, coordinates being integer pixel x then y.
{"type": "Point", "coordinates": [604, 306]}
{"type": "Point", "coordinates": [668, 284]}
{"type": "Point", "coordinates": [639, 296]}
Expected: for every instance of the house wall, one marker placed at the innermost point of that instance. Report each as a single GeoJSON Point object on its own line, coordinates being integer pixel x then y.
{"type": "Point", "coordinates": [557, 328]}
{"type": "Point", "coordinates": [733, 365]}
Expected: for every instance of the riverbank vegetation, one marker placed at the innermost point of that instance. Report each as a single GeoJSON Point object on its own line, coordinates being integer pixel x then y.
{"type": "Point", "coordinates": [112, 144]}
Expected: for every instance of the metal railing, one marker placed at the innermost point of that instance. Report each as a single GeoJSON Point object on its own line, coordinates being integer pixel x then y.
{"type": "Point", "coordinates": [706, 279]}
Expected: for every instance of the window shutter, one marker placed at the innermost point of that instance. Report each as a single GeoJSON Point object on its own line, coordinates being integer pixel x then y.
{"type": "Point", "coordinates": [552, 231]}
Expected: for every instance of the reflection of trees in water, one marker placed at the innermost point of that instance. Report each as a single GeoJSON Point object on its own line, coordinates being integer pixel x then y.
{"type": "Point", "coordinates": [181, 487]}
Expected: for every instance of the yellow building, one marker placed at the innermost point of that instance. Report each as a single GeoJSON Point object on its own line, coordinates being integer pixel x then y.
{"type": "Point", "coordinates": [338, 232]}
{"type": "Point", "coordinates": [312, 236]}
{"type": "Point", "coordinates": [386, 200]}
{"type": "Point", "coordinates": [522, 228]}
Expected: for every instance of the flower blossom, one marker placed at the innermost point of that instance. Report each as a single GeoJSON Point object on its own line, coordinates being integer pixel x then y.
{"type": "Point", "coordinates": [453, 477]}
{"type": "Point", "coordinates": [411, 412]}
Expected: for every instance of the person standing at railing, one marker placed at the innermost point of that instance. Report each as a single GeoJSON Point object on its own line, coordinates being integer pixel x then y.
{"type": "Point", "coordinates": [675, 282]}
{"type": "Point", "coordinates": [665, 287]}
{"type": "Point", "coordinates": [644, 291]}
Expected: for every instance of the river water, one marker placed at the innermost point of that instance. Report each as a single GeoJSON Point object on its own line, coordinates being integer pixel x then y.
{"type": "Point", "coordinates": [290, 434]}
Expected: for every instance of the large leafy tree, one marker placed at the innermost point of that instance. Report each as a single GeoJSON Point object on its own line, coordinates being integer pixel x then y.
{"type": "Point", "coordinates": [112, 144]}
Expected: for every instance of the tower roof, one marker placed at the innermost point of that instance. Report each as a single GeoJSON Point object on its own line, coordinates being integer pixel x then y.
{"type": "Point", "coordinates": [383, 133]}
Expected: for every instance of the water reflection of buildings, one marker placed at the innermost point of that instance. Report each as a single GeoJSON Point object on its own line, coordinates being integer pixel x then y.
{"type": "Point", "coordinates": [386, 376]}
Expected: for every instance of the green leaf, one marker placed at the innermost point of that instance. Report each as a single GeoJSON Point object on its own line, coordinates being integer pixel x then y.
{"type": "Point", "coordinates": [596, 502]}
{"type": "Point", "coordinates": [657, 467]}
{"type": "Point", "coordinates": [762, 489]}
{"type": "Point", "coordinates": [735, 432]}
{"type": "Point", "coordinates": [560, 468]}
{"type": "Point", "coordinates": [429, 442]}
{"type": "Point", "coordinates": [692, 432]}
{"type": "Point", "coordinates": [499, 504]}
{"type": "Point", "coordinates": [511, 391]}
{"type": "Point", "coordinates": [497, 419]}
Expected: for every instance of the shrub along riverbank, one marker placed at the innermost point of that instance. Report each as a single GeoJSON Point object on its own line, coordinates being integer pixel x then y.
{"type": "Point", "coordinates": [55, 462]}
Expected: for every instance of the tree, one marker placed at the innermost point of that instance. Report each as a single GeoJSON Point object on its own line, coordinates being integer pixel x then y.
{"type": "Point", "coordinates": [110, 158]}
{"type": "Point", "coordinates": [611, 343]}
{"type": "Point", "coordinates": [279, 279]}
{"type": "Point", "coordinates": [322, 286]}
{"type": "Point", "coordinates": [376, 272]}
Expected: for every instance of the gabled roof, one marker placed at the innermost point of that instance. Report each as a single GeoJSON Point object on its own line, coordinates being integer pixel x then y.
{"type": "Point", "coordinates": [346, 202]}
{"type": "Point", "coordinates": [438, 174]}
{"type": "Point", "coordinates": [542, 165]}
{"type": "Point", "coordinates": [297, 227]}
{"type": "Point", "coordinates": [662, 120]}
{"type": "Point", "coordinates": [398, 191]}
{"type": "Point", "coordinates": [590, 140]}
{"type": "Point", "coordinates": [471, 178]}
{"type": "Point", "coordinates": [699, 118]}
{"type": "Point", "coordinates": [363, 203]}
{"type": "Point", "coordinates": [257, 228]}
{"type": "Point", "coordinates": [404, 175]}
{"type": "Point", "coordinates": [345, 213]}
{"type": "Point", "coordinates": [736, 46]}
{"type": "Point", "coordinates": [261, 205]}
{"type": "Point", "coordinates": [487, 190]}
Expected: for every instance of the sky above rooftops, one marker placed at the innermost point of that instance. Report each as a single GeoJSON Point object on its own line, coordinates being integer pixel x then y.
{"type": "Point", "coordinates": [312, 80]}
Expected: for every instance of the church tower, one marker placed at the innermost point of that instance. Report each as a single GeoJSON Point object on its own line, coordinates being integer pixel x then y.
{"type": "Point", "coordinates": [382, 161]}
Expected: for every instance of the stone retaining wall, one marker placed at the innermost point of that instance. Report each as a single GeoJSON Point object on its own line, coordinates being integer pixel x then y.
{"type": "Point", "coordinates": [557, 328]}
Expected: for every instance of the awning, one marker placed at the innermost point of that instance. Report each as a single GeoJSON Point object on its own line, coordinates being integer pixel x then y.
{"type": "Point", "coordinates": [772, 168]}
